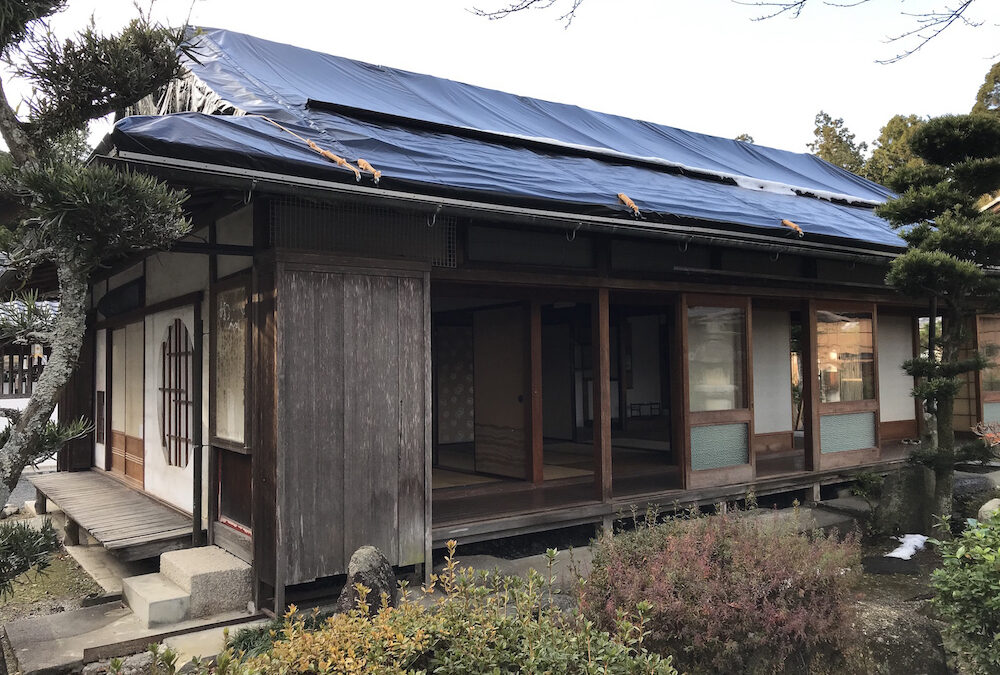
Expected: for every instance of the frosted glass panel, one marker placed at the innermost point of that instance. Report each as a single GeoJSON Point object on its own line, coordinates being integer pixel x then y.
{"type": "Point", "coordinates": [230, 363]}
{"type": "Point", "coordinates": [991, 412]}
{"type": "Point", "coordinates": [719, 445]}
{"type": "Point", "coordinates": [847, 432]}
{"type": "Point", "coordinates": [716, 358]}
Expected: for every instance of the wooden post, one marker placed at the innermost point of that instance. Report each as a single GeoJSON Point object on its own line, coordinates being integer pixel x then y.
{"type": "Point", "coordinates": [602, 395]}
{"type": "Point", "coordinates": [535, 431]}
{"type": "Point", "coordinates": [810, 382]}
{"type": "Point", "coordinates": [72, 537]}
{"type": "Point", "coordinates": [40, 506]}
{"type": "Point", "coordinates": [197, 446]}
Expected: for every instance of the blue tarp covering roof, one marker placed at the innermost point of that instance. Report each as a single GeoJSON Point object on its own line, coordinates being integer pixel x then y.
{"type": "Point", "coordinates": [438, 135]}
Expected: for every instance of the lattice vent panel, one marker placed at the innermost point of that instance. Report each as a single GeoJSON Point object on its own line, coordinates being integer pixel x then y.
{"type": "Point", "coordinates": [359, 229]}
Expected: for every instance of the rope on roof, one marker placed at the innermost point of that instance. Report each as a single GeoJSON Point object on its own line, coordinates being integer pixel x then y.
{"type": "Point", "coordinates": [624, 199]}
{"type": "Point", "coordinates": [365, 166]}
{"type": "Point", "coordinates": [336, 159]}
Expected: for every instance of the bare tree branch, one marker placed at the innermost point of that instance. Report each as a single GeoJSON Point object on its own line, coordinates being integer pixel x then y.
{"type": "Point", "coordinates": [520, 5]}
{"type": "Point", "coordinates": [929, 24]}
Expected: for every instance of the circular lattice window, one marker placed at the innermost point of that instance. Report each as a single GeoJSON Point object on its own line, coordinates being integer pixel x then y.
{"type": "Point", "coordinates": [175, 404]}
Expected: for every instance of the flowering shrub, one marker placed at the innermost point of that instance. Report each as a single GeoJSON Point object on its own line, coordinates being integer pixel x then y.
{"type": "Point", "coordinates": [968, 593]}
{"type": "Point", "coordinates": [738, 593]}
{"type": "Point", "coordinates": [481, 623]}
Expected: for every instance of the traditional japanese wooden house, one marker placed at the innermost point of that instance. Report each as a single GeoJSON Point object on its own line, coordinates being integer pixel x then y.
{"type": "Point", "coordinates": [413, 310]}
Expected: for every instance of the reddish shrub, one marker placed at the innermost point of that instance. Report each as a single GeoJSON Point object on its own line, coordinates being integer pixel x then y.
{"type": "Point", "coordinates": [730, 593]}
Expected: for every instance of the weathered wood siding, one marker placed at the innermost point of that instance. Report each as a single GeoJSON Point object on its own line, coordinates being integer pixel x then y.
{"type": "Point", "coordinates": [352, 345]}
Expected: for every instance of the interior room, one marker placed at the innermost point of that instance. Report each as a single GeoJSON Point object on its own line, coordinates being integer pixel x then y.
{"type": "Point", "coordinates": [486, 352]}
{"type": "Point", "coordinates": [642, 453]}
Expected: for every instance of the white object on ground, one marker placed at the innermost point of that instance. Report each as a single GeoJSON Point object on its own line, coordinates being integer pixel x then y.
{"type": "Point", "coordinates": [908, 545]}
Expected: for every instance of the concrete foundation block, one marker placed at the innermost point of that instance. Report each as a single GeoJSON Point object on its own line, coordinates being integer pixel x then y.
{"type": "Point", "coordinates": [155, 599]}
{"type": "Point", "coordinates": [216, 580]}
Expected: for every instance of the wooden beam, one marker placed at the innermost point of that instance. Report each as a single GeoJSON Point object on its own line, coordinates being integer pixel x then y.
{"type": "Point", "coordinates": [535, 435]}
{"type": "Point", "coordinates": [602, 395]}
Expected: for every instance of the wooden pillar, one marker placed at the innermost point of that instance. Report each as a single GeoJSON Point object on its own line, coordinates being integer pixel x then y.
{"type": "Point", "coordinates": [680, 416]}
{"type": "Point", "coordinates": [810, 381]}
{"type": "Point", "coordinates": [535, 430]}
{"type": "Point", "coordinates": [602, 395]}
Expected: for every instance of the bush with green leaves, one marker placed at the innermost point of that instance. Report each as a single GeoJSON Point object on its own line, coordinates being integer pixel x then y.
{"type": "Point", "coordinates": [23, 548]}
{"type": "Point", "coordinates": [967, 587]}
{"type": "Point", "coordinates": [479, 623]}
{"type": "Point", "coordinates": [742, 592]}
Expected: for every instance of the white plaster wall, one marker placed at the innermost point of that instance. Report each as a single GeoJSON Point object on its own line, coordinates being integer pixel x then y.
{"type": "Point", "coordinates": [122, 278]}
{"type": "Point", "coordinates": [895, 345]}
{"type": "Point", "coordinates": [100, 384]}
{"type": "Point", "coordinates": [236, 228]}
{"type": "Point", "coordinates": [170, 275]}
{"type": "Point", "coordinates": [172, 484]}
{"type": "Point", "coordinates": [772, 371]}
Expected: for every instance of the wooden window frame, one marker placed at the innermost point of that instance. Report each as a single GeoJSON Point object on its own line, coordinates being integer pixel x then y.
{"type": "Point", "coordinates": [744, 415]}
{"type": "Point", "coordinates": [241, 279]}
{"type": "Point", "coordinates": [822, 409]}
{"type": "Point", "coordinates": [985, 395]}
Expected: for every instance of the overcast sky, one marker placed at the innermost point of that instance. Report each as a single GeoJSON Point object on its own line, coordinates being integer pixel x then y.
{"type": "Point", "coordinates": [701, 65]}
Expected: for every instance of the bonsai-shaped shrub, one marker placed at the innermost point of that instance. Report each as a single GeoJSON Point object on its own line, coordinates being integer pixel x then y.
{"type": "Point", "coordinates": [736, 593]}
{"type": "Point", "coordinates": [480, 623]}
{"type": "Point", "coordinates": [968, 593]}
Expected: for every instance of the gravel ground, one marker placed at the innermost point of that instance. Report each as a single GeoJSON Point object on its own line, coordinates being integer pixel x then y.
{"type": "Point", "coordinates": [25, 490]}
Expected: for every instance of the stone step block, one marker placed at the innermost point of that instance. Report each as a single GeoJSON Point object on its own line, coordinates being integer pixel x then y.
{"type": "Point", "coordinates": [155, 599]}
{"type": "Point", "coordinates": [217, 581]}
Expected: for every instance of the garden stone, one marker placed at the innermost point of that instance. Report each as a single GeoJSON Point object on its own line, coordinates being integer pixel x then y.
{"type": "Point", "coordinates": [987, 510]}
{"type": "Point", "coordinates": [898, 639]}
{"type": "Point", "coordinates": [369, 567]}
{"type": "Point", "coordinates": [9, 510]}
{"type": "Point", "coordinates": [971, 491]}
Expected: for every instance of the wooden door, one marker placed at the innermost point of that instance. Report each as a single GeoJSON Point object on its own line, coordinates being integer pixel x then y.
{"type": "Point", "coordinates": [500, 341]}
{"type": "Point", "coordinates": [127, 363]}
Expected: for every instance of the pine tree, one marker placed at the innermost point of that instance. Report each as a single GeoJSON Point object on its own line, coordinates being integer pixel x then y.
{"type": "Point", "coordinates": [62, 212]}
{"type": "Point", "coordinates": [835, 143]}
{"type": "Point", "coordinates": [892, 148]}
{"type": "Point", "coordinates": [988, 96]}
{"type": "Point", "coordinates": [950, 246]}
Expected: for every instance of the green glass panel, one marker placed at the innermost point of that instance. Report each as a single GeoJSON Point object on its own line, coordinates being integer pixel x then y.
{"type": "Point", "coordinates": [719, 445]}
{"type": "Point", "coordinates": [853, 431]}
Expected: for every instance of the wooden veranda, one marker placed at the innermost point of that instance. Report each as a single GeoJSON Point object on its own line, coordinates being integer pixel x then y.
{"type": "Point", "coordinates": [129, 524]}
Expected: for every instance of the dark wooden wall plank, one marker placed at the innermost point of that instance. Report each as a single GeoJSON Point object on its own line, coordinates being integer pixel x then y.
{"type": "Point", "coordinates": [352, 417]}
{"type": "Point", "coordinates": [371, 412]}
{"type": "Point", "coordinates": [264, 358]}
{"type": "Point", "coordinates": [412, 420]}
